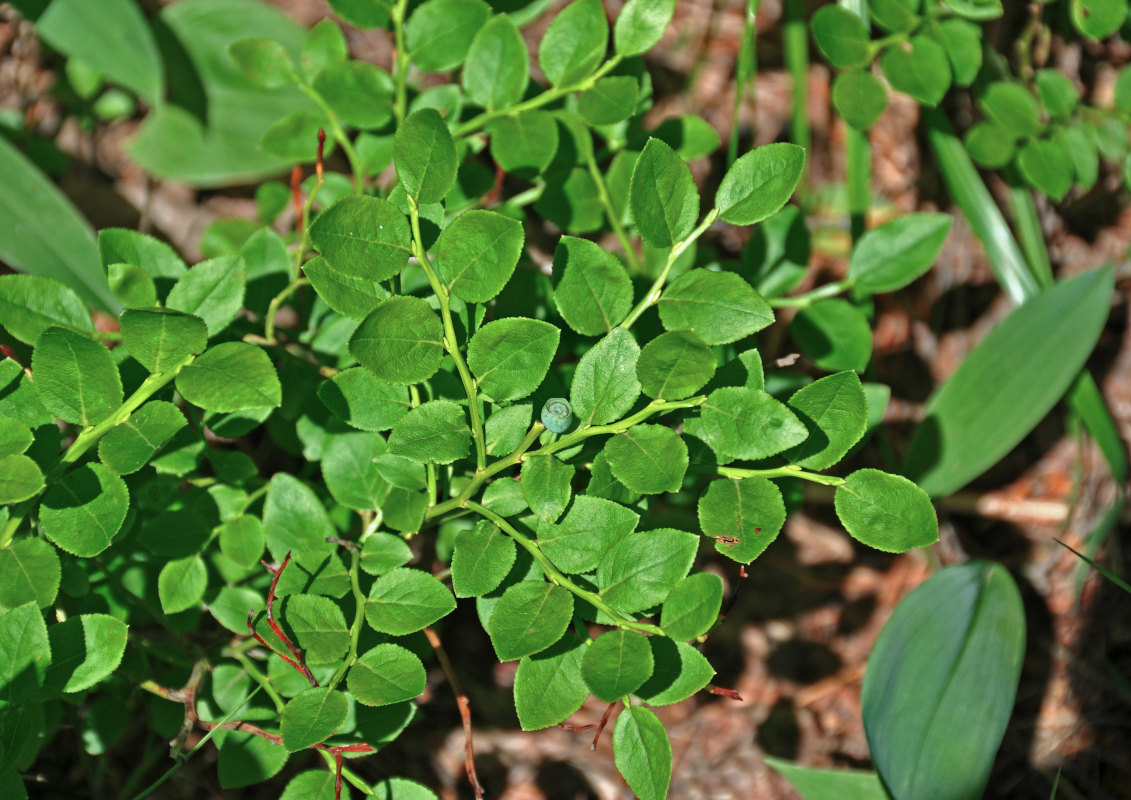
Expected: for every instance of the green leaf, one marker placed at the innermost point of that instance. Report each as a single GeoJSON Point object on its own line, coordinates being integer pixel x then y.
{"type": "Point", "coordinates": [548, 686]}
{"type": "Point", "coordinates": [572, 202]}
{"type": "Point", "coordinates": [181, 584]}
{"type": "Point", "coordinates": [1013, 107]}
{"type": "Point", "coordinates": [575, 43]}
{"type": "Point", "coordinates": [748, 423]}
{"type": "Point", "coordinates": [15, 436]}
{"type": "Point", "coordinates": [439, 32]}
{"type": "Point", "coordinates": [895, 15]}
{"type": "Point", "coordinates": [648, 459]}
{"type": "Point", "coordinates": [362, 401]}
{"type": "Point", "coordinates": [363, 13]}
{"type": "Point", "coordinates": [990, 145]}
{"type": "Point", "coordinates": [891, 256]}
{"type": "Point", "coordinates": [435, 432]}
{"type": "Point", "coordinates": [641, 24]}
{"type": "Point", "coordinates": [312, 717]}
{"type": "Point", "coordinates": [1098, 19]}
{"type": "Point", "coordinates": [642, 753]}
{"type": "Point", "coordinates": [510, 357]}
{"type": "Point", "coordinates": [314, 784]}
{"type": "Point", "coordinates": [841, 36]}
{"type": "Point", "coordinates": [155, 257]}
{"type": "Point", "coordinates": [425, 156]}
{"type": "Point", "coordinates": [663, 196]}
{"type": "Point", "coordinates": [20, 478]}
{"type": "Point", "coordinates": [813, 783]}
{"type": "Point", "coordinates": [85, 649]}
{"type": "Point", "coordinates": [44, 234]}
{"type": "Point", "coordinates": [316, 571]}
{"type": "Point", "coordinates": [477, 253]}
{"type": "Point", "coordinates": [524, 144]}
{"type": "Point", "coordinates": [360, 93]}
{"type": "Point", "coordinates": [743, 516]}
{"type": "Point", "coordinates": [675, 365]}
{"type": "Point", "coordinates": [294, 517]}
{"type": "Point", "coordinates": [83, 511]}
{"type": "Point", "coordinates": [363, 237]}
{"type": "Point", "coordinates": [505, 428]}
{"type": "Point", "coordinates": [887, 512]}
{"type": "Point", "coordinates": [232, 376]}
{"type": "Point", "coordinates": [589, 529]}
{"type": "Point", "coordinates": [497, 67]}
{"type": "Point", "coordinates": [859, 97]}
{"type": "Point", "coordinates": [546, 485]}
{"type": "Point", "coordinates": [720, 307]}
{"type": "Point", "coordinates": [406, 600]}
{"type": "Point", "coordinates": [1047, 166]}
{"type": "Point", "coordinates": [384, 552]}
{"type": "Point", "coordinates": [30, 304]}
{"type": "Point", "coordinates": [242, 539]}
{"type": "Point", "coordinates": [835, 411]}
{"type": "Point", "coordinates": [317, 626]}
{"type": "Point", "coordinates": [247, 759]}
{"type": "Point", "coordinates": [75, 377]}
{"type": "Point", "coordinates": [918, 68]}
{"type": "Point", "coordinates": [161, 339]}
{"type": "Point", "coordinates": [385, 675]}
{"type": "Point", "coordinates": [1030, 359]}
{"type": "Point", "coordinates": [604, 384]}
{"type": "Point", "coordinates": [975, 9]}
{"type": "Point", "coordinates": [611, 100]}
{"type": "Point", "coordinates": [835, 334]}
{"type": "Point", "coordinates": [128, 446]}
{"type": "Point", "coordinates": [680, 671]}
{"type": "Point", "coordinates": [594, 292]}
{"type": "Point", "coordinates": [689, 135]}
{"type": "Point", "coordinates": [616, 663]}
{"type": "Point", "coordinates": [481, 559]}
{"type": "Point", "coordinates": [529, 617]}
{"type": "Point", "coordinates": [265, 63]}
{"type": "Point", "coordinates": [349, 468]}
{"type": "Point", "coordinates": [25, 653]}
{"type": "Point", "coordinates": [640, 569]}
{"type": "Point", "coordinates": [692, 606]}
{"type": "Point", "coordinates": [212, 290]}
{"type": "Point", "coordinates": [963, 43]}
{"type": "Point", "coordinates": [29, 572]}
{"type": "Point", "coordinates": [760, 183]}
{"type": "Point", "coordinates": [928, 669]}
{"type": "Point", "coordinates": [349, 295]}
{"type": "Point", "coordinates": [325, 44]}
{"type": "Point", "coordinates": [401, 341]}
{"type": "Point", "coordinates": [1058, 93]}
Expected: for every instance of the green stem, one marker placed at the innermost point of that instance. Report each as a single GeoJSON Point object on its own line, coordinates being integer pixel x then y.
{"type": "Point", "coordinates": [477, 123]}
{"type": "Point", "coordinates": [807, 299]}
{"type": "Point", "coordinates": [358, 617]}
{"type": "Point", "coordinates": [477, 480]}
{"type": "Point", "coordinates": [263, 680]}
{"type": "Point", "coordinates": [780, 472]}
{"type": "Point", "coordinates": [655, 407]}
{"type": "Point", "coordinates": [451, 344]}
{"type": "Point", "coordinates": [795, 44]}
{"type": "Point", "coordinates": [400, 64]}
{"type": "Point", "coordinates": [429, 468]}
{"type": "Point", "coordinates": [1029, 233]}
{"type": "Point", "coordinates": [858, 154]}
{"type": "Point", "coordinates": [745, 71]}
{"type": "Point", "coordinates": [657, 289]}
{"type": "Point", "coordinates": [348, 774]}
{"type": "Point", "coordinates": [556, 577]}
{"type": "Point", "coordinates": [337, 131]}
{"type": "Point", "coordinates": [610, 212]}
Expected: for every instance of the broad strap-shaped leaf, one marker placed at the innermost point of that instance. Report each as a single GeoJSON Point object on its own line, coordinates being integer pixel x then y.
{"type": "Point", "coordinates": [604, 384]}
{"type": "Point", "coordinates": [312, 717]}
{"type": "Point", "coordinates": [363, 237]}
{"type": "Point", "coordinates": [679, 672]}
{"type": "Point", "coordinates": [548, 686]}
{"type": "Point", "coordinates": [760, 183]}
{"type": "Point", "coordinates": [161, 339]}
{"type": "Point", "coordinates": [29, 572]}
{"type": "Point", "coordinates": [406, 600]}
{"type": "Point", "coordinates": [675, 365]}
{"type": "Point", "coordinates": [692, 606]}
{"type": "Point", "coordinates": [663, 196]}
{"type": "Point", "coordinates": [83, 511]}
{"type": "Point", "coordinates": [594, 292]}
{"type": "Point", "coordinates": [425, 156]}
{"type": "Point", "coordinates": [580, 540]}
{"type": "Point", "coordinates": [212, 290]}
{"type": "Point", "coordinates": [575, 43]}
{"type": "Point", "coordinates": [546, 485]}
{"type": "Point", "coordinates": [719, 307]}
{"type": "Point", "coordinates": [75, 377]}
{"type": "Point", "coordinates": [294, 518]}
{"type": "Point", "coordinates": [928, 669]}
{"type": "Point", "coordinates": [893, 255]}
{"type": "Point", "coordinates": [510, 357]}
{"type": "Point", "coordinates": [401, 341]}
{"type": "Point", "coordinates": [497, 67]}
{"type": "Point", "coordinates": [128, 446]}
{"type": "Point", "coordinates": [30, 304]}
{"type": "Point", "coordinates": [642, 753]}
{"type": "Point", "coordinates": [743, 516]}
{"type": "Point", "coordinates": [482, 557]}
{"type": "Point", "coordinates": [616, 663]}
{"type": "Point", "coordinates": [386, 674]}
{"type": "Point", "coordinates": [887, 512]}
{"type": "Point", "coordinates": [85, 649]}
{"type": "Point", "coordinates": [641, 569]}
{"type": "Point", "coordinates": [835, 411]}
{"type": "Point", "coordinates": [433, 432]}
{"type": "Point", "coordinates": [232, 376]}
{"type": "Point", "coordinates": [649, 459]}
{"type": "Point", "coordinates": [831, 784]}
{"type": "Point", "coordinates": [739, 422]}
{"type": "Point", "coordinates": [528, 618]}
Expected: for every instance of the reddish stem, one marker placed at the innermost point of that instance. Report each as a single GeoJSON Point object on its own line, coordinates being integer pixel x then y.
{"type": "Point", "coordinates": [321, 149]}
{"type": "Point", "coordinates": [296, 194]}
{"type": "Point", "coordinates": [731, 693]}
{"type": "Point", "coordinates": [601, 725]}
{"type": "Point", "coordinates": [299, 662]}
